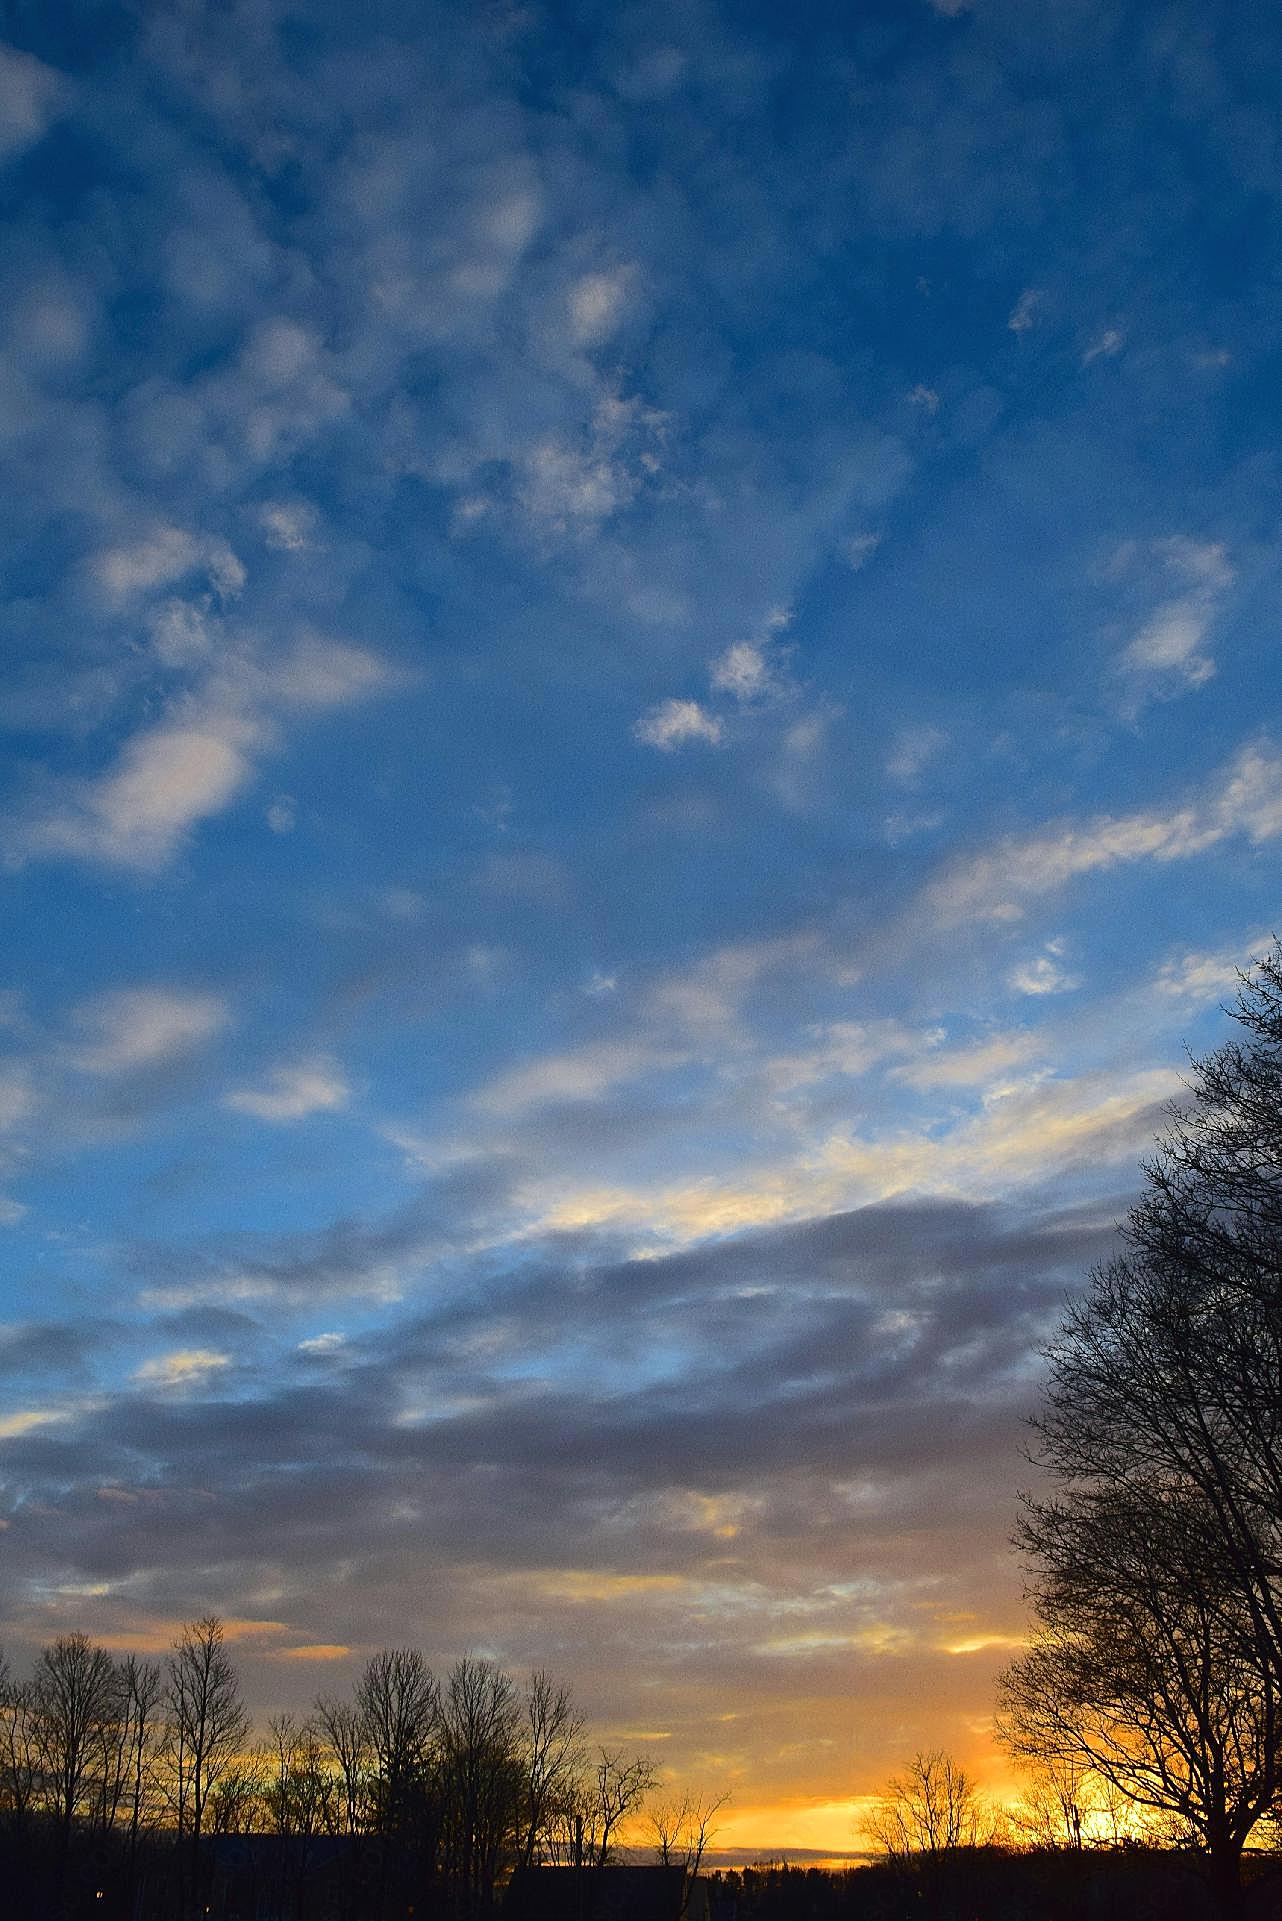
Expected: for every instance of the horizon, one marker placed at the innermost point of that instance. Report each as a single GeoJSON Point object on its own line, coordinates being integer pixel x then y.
{"type": "Point", "coordinates": [641, 719]}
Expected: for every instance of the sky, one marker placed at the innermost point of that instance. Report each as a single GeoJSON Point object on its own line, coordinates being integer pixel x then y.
{"type": "Point", "coordinates": [640, 719]}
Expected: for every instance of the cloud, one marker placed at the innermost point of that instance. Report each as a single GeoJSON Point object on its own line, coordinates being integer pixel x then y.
{"type": "Point", "coordinates": [569, 486]}
{"type": "Point", "coordinates": [914, 747]}
{"type": "Point", "coordinates": [582, 1075]}
{"type": "Point", "coordinates": [1247, 800]}
{"type": "Point", "coordinates": [975, 1065]}
{"type": "Point", "coordinates": [183, 1367]}
{"type": "Point", "coordinates": [289, 526]}
{"type": "Point", "coordinates": [1207, 977]}
{"type": "Point", "coordinates": [163, 556]}
{"type": "Point", "coordinates": [596, 304]}
{"type": "Point", "coordinates": [1104, 346]}
{"type": "Point", "coordinates": [848, 1048]}
{"type": "Point", "coordinates": [748, 669]}
{"type": "Point", "coordinates": [1024, 313]}
{"type": "Point", "coordinates": [672, 723]}
{"type": "Point", "coordinates": [859, 549]}
{"type": "Point", "coordinates": [164, 783]}
{"type": "Point", "coordinates": [1045, 974]}
{"type": "Point", "coordinates": [31, 95]}
{"type": "Point", "coordinates": [1169, 647]}
{"type": "Point", "coordinates": [140, 1028]}
{"type": "Point", "coordinates": [170, 778]}
{"type": "Point", "coordinates": [293, 1092]}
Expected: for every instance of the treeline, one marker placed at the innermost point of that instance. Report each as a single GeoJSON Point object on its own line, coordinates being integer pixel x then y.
{"type": "Point", "coordinates": [981, 1883]}
{"type": "Point", "coordinates": [132, 1788]}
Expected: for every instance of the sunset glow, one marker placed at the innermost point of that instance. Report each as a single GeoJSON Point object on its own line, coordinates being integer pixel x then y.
{"type": "Point", "coordinates": [642, 716]}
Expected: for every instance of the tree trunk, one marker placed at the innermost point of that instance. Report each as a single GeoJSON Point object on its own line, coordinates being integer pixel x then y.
{"type": "Point", "coordinates": [1225, 1877]}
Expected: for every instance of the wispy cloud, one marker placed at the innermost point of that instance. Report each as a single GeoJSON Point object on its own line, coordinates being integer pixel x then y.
{"type": "Point", "coordinates": [1169, 649]}
{"type": "Point", "coordinates": [186, 1367]}
{"type": "Point", "coordinates": [135, 1029]}
{"type": "Point", "coordinates": [674, 723]}
{"type": "Point", "coordinates": [31, 95]}
{"type": "Point", "coordinates": [1246, 800]}
{"type": "Point", "coordinates": [1044, 974]}
{"type": "Point", "coordinates": [168, 779]}
{"type": "Point", "coordinates": [294, 1091]}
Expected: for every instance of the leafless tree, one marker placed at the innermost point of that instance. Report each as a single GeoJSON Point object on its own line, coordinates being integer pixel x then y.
{"type": "Point", "coordinates": [553, 1757]}
{"type": "Point", "coordinates": [682, 1829]}
{"type": "Point", "coordinates": [1158, 1566]}
{"type": "Point", "coordinates": [617, 1790]}
{"type": "Point", "coordinates": [344, 1733]}
{"type": "Point", "coordinates": [20, 1762]}
{"type": "Point", "coordinates": [74, 1695]}
{"type": "Point", "coordinates": [206, 1728]}
{"type": "Point", "coordinates": [399, 1704]}
{"type": "Point", "coordinates": [932, 1808]}
{"type": "Point", "coordinates": [1139, 1671]}
{"type": "Point", "coordinates": [481, 1777]}
{"type": "Point", "coordinates": [1062, 1804]}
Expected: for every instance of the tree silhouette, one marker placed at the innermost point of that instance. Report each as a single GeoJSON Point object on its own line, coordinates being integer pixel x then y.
{"type": "Point", "coordinates": [1156, 1569]}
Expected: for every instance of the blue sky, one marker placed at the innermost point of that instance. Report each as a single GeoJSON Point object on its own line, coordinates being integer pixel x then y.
{"type": "Point", "coordinates": [640, 718]}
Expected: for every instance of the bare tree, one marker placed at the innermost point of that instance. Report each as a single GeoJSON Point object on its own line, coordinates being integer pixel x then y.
{"type": "Point", "coordinates": [553, 1758]}
{"type": "Point", "coordinates": [481, 1778]}
{"type": "Point", "coordinates": [20, 1762]}
{"type": "Point", "coordinates": [345, 1734]}
{"type": "Point", "coordinates": [399, 1704]}
{"type": "Point", "coordinates": [1061, 1804]}
{"type": "Point", "coordinates": [1158, 1566]}
{"type": "Point", "coordinates": [682, 1830]}
{"type": "Point", "coordinates": [616, 1790]}
{"type": "Point", "coordinates": [932, 1808]}
{"type": "Point", "coordinates": [74, 1693]}
{"type": "Point", "coordinates": [205, 1733]}
{"type": "Point", "coordinates": [1138, 1671]}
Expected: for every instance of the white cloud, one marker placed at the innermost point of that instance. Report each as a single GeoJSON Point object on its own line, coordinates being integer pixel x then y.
{"type": "Point", "coordinates": [672, 723]}
{"type": "Point", "coordinates": [163, 556]}
{"type": "Point", "coordinates": [11, 1211]}
{"type": "Point", "coordinates": [913, 748]}
{"type": "Point", "coordinates": [926, 398]}
{"type": "Point", "coordinates": [1200, 977]}
{"type": "Point", "coordinates": [288, 526]}
{"type": "Point", "coordinates": [990, 886]}
{"type": "Point", "coordinates": [1022, 1133]}
{"type": "Point", "coordinates": [1045, 974]}
{"type": "Point", "coordinates": [15, 1096]}
{"type": "Point", "coordinates": [974, 1065]}
{"type": "Point", "coordinates": [30, 97]}
{"type": "Point", "coordinates": [859, 549]}
{"type": "Point", "coordinates": [164, 783]}
{"type": "Point", "coordinates": [748, 669]}
{"type": "Point", "coordinates": [571, 486]}
{"type": "Point", "coordinates": [193, 765]}
{"type": "Point", "coordinates": [1110, 342]}
{"type": "Point", "coordinates": [329, 1343]}
{"type": "Point", "coordinates": [293, 1092]}
{"type": "Point", "coordinates": [183, 1367]}
{"type": "Point", "coordinates": [1024, 312]}
{"type": "Point", "coordinates": [319, 672]}
{"type": "Point", "coordinates": [580, 1074]}
{"type": "Point", "coordinates": [742, 670]}
{"type": "Point", "coordinates": [596, 305]}
{"type": "Point", "coordinates": [849, 1048]}
{"type": "Point", "coordinates": [1169, 646]}
{"type": "Point", "coordinates": [143, 1027]}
